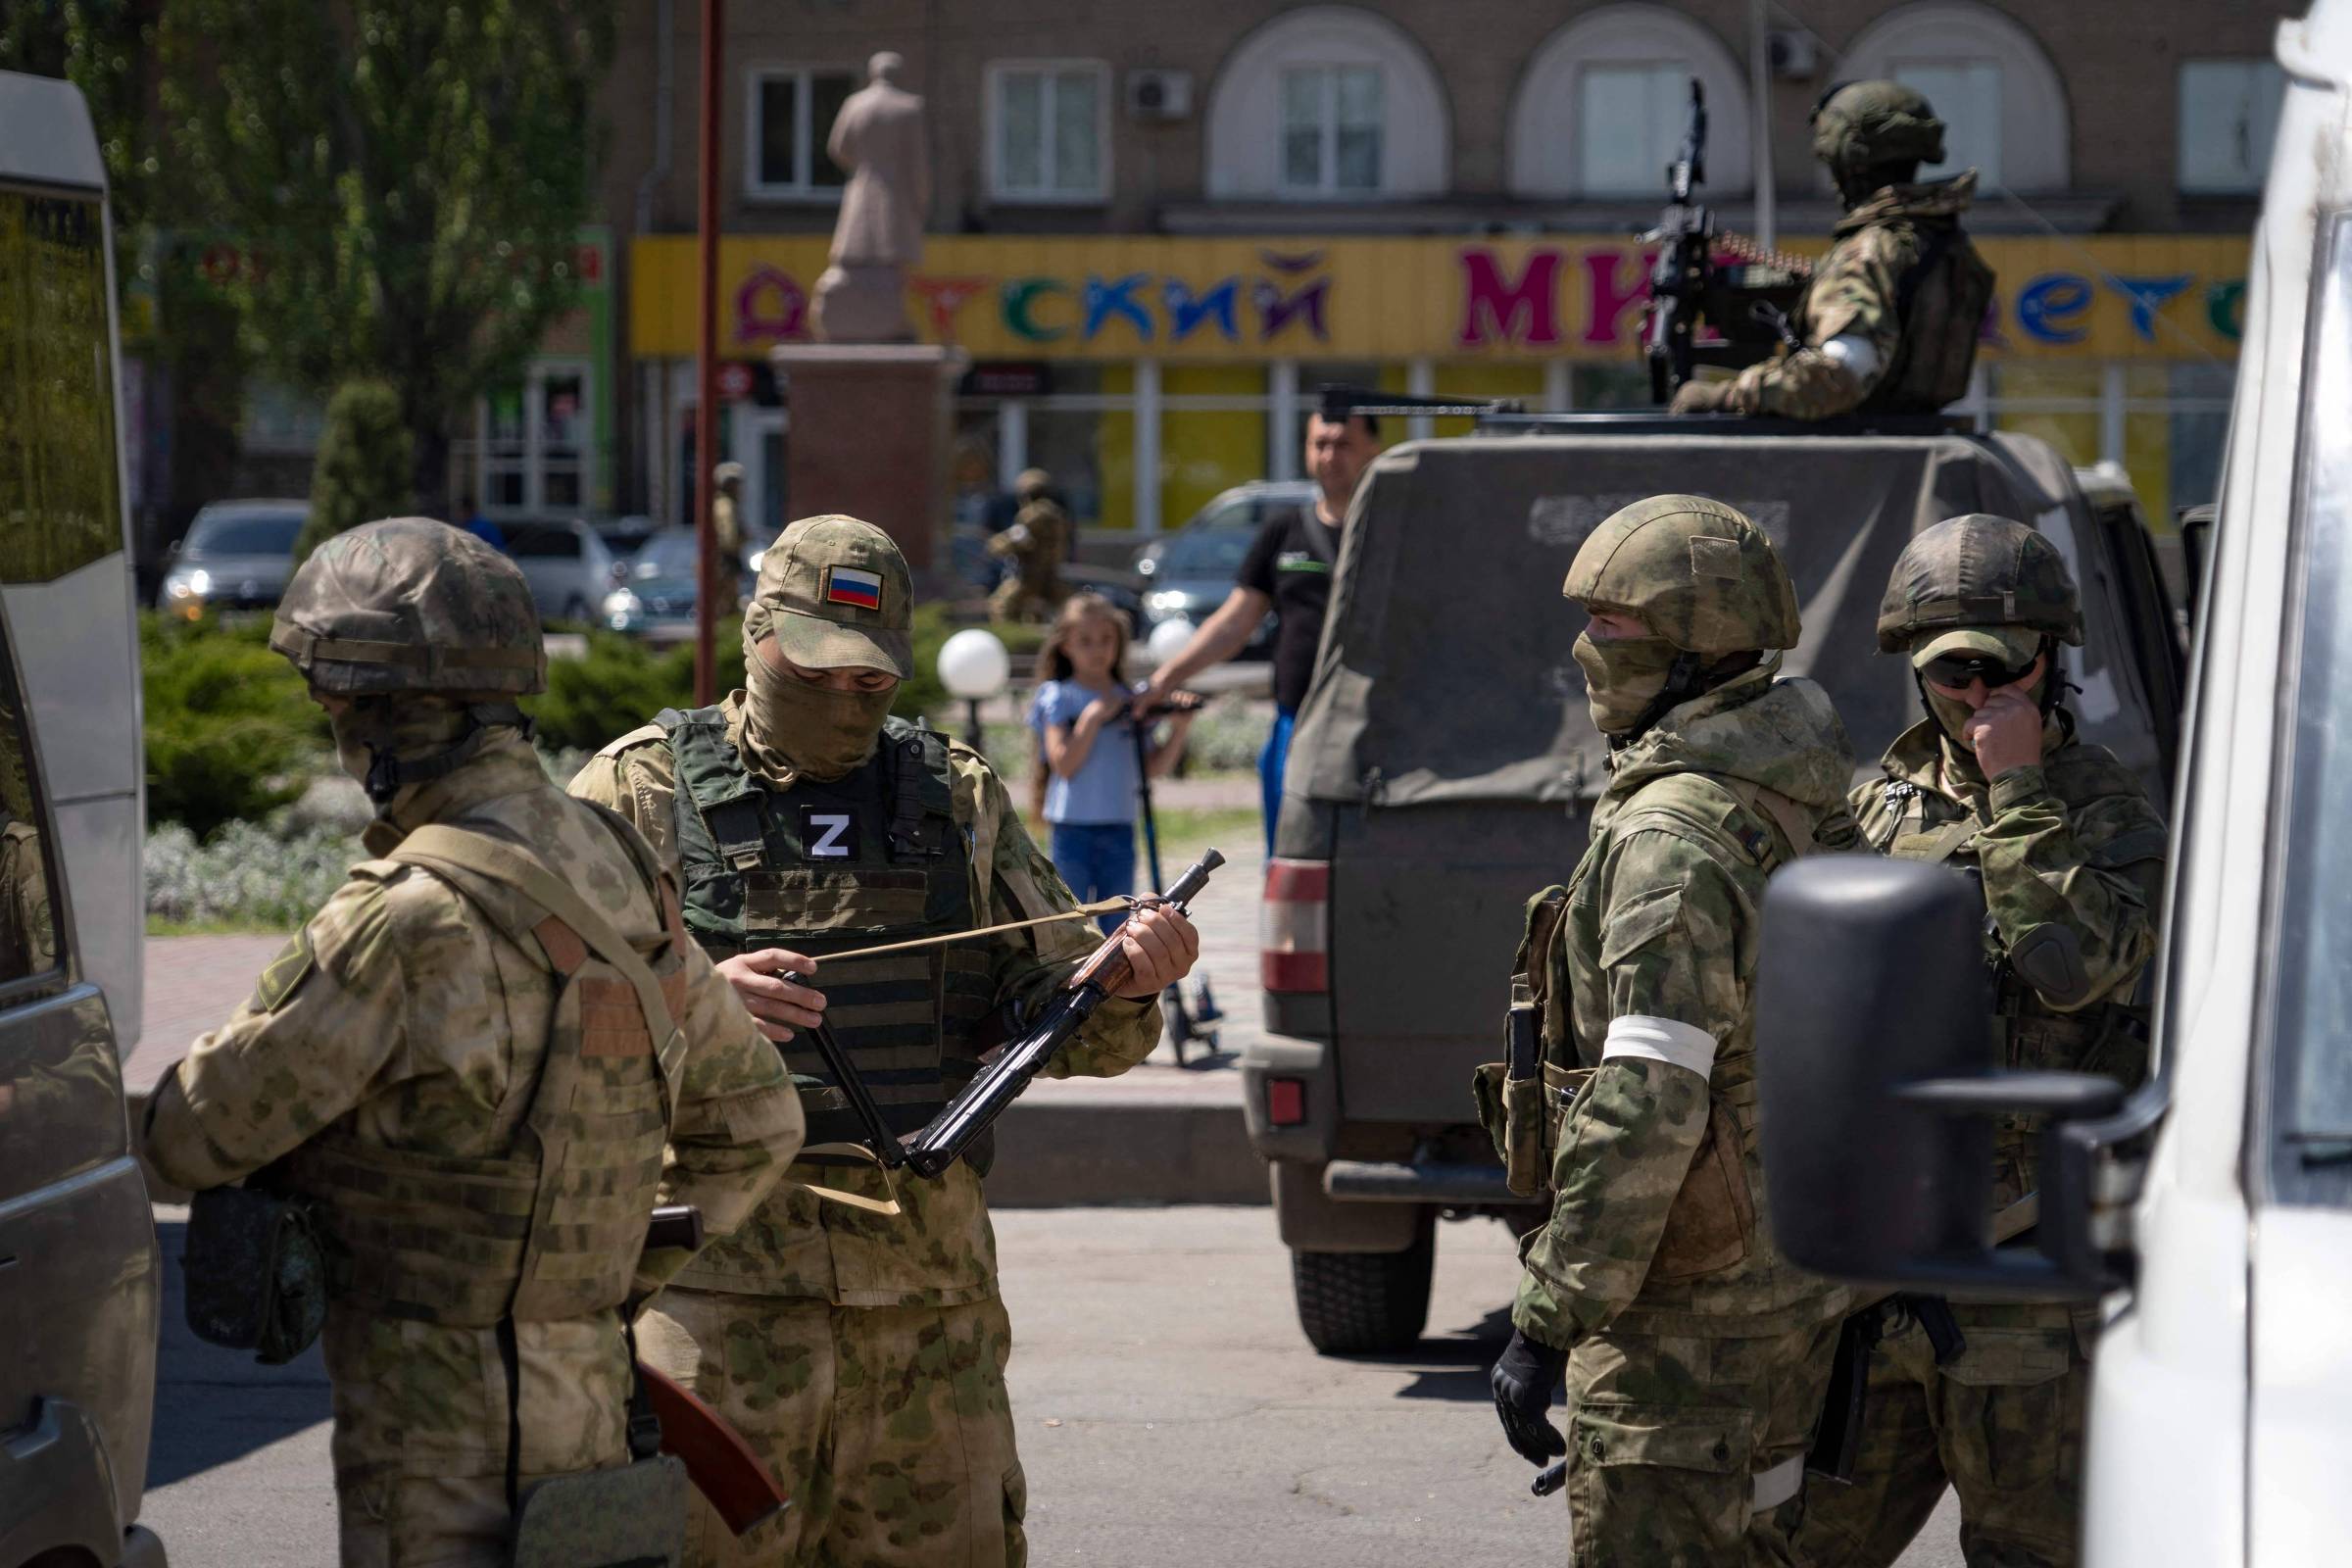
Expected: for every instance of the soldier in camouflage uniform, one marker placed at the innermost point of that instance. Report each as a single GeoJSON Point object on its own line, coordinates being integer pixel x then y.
{"type": "Point", "coordinates": [2068, 851]}
{"type": "Point", "coordinates": [451, 1062]}
{"type": "Point", "coordinates": [1695, 1356]}
{"type": "Point", "coordinates": [1888, 323]}
{"type": "Point", "coordinates": [862, 1350]}
{"type": "Point", "coordinates": [1037, 544]}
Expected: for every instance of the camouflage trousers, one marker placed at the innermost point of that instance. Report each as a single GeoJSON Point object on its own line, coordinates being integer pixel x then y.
{"type": "Point", "coordinates": [1668, 1436]}
{"type": "Point", "coordinates": [889, 1426]}
{"type": "Point", "coordinates": [420, 1430]}
{"type": "Point", "coordinates": [2002, 1423]}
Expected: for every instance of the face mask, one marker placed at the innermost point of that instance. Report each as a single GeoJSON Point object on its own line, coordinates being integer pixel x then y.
{"type": "Point", "coordinates": [807, 728]}
{"type": "Point", "coordinates": [1623, 677]}
{"type": "Point", "coordinates": [1951, 714]}
{"type": "Point", "coordinates": [414, 732]}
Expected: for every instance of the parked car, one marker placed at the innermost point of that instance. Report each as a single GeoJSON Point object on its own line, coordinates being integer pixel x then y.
{"type": "Point", "coordinates": [625, 536]}
{"type": "Point", "coordinates": [568, 565]}
{"type": "Point", "coordinates": [655, 589]}
{"type": "Point", "coordinates": [237, 555]}
{"type": "Point", "coordinates": [1188, 573]}
{"type": "Point", "coordinates": [2209, 1211]}
{"type": "Point", "coordinates": [1420, 810]}
{"type": "Point", "coordinates": [78, 1255]}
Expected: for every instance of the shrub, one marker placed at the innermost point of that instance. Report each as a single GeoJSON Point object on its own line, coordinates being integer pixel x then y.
{"type": "Point", "coordinates": [366, 464]}
{"type": "Point", "coordinates": [621, 683]}
{"type": "Point", "coordinates": [245, 876]}
{"type": "Point", "coordinates": [231, 730]}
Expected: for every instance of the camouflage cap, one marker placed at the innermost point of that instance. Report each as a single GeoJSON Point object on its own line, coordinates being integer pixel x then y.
{"type": "Point", "coordinates": [2013, 646]}
{"type": "Point", "coordinates": [1864, 123]}
{"type": "Point", "coordinates": [1979, 571]}
{"type": "Point", "coordinates": [410, 604]}
{"type": "Point", "coordinates": [1695, 572]}
{"type": "Point", "coordinates": [834, 591]}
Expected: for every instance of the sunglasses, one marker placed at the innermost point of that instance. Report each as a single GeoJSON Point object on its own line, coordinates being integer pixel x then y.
{"type": "Point", "coordinates": [1958, 669]}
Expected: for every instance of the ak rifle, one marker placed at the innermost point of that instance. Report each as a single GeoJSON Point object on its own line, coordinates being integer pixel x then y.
{"type": "Point", "coordinates": [1029, 1044]}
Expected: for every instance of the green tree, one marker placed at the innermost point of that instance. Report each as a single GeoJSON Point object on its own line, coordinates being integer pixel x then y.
{"type": "Point", "coordinates": [107, 49]}
{"type": "Point", "coordinates": [409, 178]}
{"type": "Point", "coordinates": [367, 464]}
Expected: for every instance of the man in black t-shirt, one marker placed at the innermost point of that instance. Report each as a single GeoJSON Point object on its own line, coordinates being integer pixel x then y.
{"type": "Point", "coordinates": [1287, 570]}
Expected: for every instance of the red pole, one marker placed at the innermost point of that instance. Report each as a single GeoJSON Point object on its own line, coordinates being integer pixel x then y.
{"type": "Point", "coordinates": [705, 407]}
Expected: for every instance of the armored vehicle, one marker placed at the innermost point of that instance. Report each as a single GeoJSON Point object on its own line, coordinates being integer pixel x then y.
{"type": "Point", "coordinates": [1444, 769]}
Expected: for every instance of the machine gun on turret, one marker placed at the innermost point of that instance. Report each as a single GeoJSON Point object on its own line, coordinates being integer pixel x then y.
{"type": "Point", "coordinates": [1715, 297]}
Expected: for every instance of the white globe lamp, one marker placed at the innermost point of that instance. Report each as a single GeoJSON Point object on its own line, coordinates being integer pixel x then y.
{"type": "Point", "coordinates": [1167, 639]}
{"type": "Point", "coordinates": [974, 665]}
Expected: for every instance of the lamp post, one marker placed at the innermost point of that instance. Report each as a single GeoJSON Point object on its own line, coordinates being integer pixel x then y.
{"type": "Point", "coordinates": [974, 665]}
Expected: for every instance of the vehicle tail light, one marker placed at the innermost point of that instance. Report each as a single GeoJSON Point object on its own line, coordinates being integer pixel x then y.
{"type": "Point", "coordinates": [1293, 925]}
{"type": "Point", "coordinates": [1286, 1103]}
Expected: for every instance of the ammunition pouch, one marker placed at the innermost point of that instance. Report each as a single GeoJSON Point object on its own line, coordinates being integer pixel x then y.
{"type": "Point", "coordinates": [1524, 1117]}
{"type": "Point", "coordinates": [630, 1517]}
{"type": "Point", "coordinates": [256, 1269]}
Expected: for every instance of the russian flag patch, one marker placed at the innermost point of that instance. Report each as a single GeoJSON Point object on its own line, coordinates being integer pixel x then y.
{"type": "Point", "coordinates": [846, 585]}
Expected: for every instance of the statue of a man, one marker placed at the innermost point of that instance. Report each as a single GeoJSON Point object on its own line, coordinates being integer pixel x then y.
{"type": "Point", "coordinates": [879, 137]}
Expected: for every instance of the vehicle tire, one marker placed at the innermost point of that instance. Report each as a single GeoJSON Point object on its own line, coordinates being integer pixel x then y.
{"type": "Point", "coordinates": [1366, 1304]}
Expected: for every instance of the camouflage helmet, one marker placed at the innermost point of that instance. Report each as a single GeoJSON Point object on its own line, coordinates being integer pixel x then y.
{"type": "Point", "coordinates": [410, 604]}
{"type": "Point", "coordinates": [1695, 572]}
{"type": "Point", "coordinates": [1979, 571]}
{"type": "Point", "coordinates": [1862, 124]}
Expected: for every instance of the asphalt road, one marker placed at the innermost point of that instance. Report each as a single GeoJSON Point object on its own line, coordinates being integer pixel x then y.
{"type": "Point", "coordinates": [1171, 1416]}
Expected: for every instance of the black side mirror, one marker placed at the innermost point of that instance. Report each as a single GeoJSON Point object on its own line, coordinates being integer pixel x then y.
{"type": "Point", "coordinates": [2197, 544]}
{"type": "Point", "coordinates": [1873, 1052]}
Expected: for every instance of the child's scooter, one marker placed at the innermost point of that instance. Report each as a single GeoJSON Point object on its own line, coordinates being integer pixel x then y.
{"type": "Point", "coordinates": [1198, 1020]}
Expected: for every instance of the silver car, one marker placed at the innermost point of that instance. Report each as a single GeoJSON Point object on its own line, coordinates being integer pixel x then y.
{"type": "Point", "coordinates": [237, 556]}
{"type": "Point", "coordinates": [567, 563]}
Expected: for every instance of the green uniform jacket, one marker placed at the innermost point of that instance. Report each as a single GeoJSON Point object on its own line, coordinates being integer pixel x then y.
{"type": "Point", "coordinates": [403, 1018]}
{"type": "Point", "coordinates": [2071, 853]}
{"type": "Point", "coordinates": [1858, 290]}
{"type": "Point", "coordinates": [1650, 1231]}
{"type": "Point", "coordinates": [940, 1250]}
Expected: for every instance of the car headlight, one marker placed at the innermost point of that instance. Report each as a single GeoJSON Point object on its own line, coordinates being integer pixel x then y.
{"type": "Point", "coordinates": [193, 584]}
{"type": "Point", "coordinates": [752, 561]}
{"type": "Point", "coordinates": [622, 601]}
{"type": "Point", "coordinates": [1166, 602]}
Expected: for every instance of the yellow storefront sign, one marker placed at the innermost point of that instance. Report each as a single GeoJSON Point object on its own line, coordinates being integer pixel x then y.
{"type": "Point", "coordinates": [2103, 297]}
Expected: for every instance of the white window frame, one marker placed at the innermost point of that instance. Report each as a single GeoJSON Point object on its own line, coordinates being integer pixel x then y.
{"type": "Point", "coordinates": [2036, 118]}
{"type": "Point", "coordinates": [2253, 186]}
{"type": "Point", "coordinates": [1241, 126]}
{"type": "Point", "coordinates": [808, 136]}
{"type": "Point", "coordinates": [1546, 159]}
{"type": "Point", "coordinates": [1327, 187]}
{"type": "Point", "coordinates": [529, 455]}
{"type": "Point", "coordinates": [992, 121]}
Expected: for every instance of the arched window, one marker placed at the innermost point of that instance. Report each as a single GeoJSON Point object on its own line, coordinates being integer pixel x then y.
{"type": "Point", "coordinates": [1327, 103]}
{"type": "Point", "coordinates": [1601, 108]}
{"type": "Point", "coordinates": [1999, 97]}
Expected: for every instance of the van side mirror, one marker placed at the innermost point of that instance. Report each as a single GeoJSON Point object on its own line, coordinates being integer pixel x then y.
{"type": "Point", "coordinates": [2197, 544]}
{"type": "Point", "coordinates": [1874, 1045]}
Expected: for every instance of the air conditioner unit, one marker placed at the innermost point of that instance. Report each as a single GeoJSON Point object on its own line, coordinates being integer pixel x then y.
{"type": "Point", "coordinates": [1160, 94]}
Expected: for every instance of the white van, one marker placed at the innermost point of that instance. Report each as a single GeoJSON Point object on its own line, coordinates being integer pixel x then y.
{"type": "Point", "coordinates": [2211, 1210]}
{"type": "Point", "coordinates": [80, 1275]}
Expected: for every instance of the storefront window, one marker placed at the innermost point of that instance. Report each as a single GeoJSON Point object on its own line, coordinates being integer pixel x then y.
{"type": "Point", "coordinates": [1212, 435]}
{"type": "Point", "coordinates": [2058, 402]}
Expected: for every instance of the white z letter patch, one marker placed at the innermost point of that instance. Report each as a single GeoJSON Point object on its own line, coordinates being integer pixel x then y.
{"type": "Point", "coordinates": [828, 835]}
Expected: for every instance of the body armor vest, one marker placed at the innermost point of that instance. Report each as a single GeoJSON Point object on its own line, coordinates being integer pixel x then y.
{"type": "Point", "coordinates": [2108, 1037]}
{"type": "Point", "coordinates": [552, 1229]}
{"type": "Point", "coordinates": [820, 868]}
{"type": "Point", "coordinates": [1941, 301]}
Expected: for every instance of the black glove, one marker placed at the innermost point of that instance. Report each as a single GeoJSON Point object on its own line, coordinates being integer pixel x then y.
{"type": "Point", "coordinates": [1523, 1380]}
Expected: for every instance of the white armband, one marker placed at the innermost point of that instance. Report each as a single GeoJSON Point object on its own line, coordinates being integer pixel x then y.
{"type": "Point", "coordinates": [1678, 1045]}
{"type": "Point", "coordinates": [1855, 353]}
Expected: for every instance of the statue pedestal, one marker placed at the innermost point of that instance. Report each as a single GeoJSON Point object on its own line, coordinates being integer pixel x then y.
{"type": "Point", "coordinates": [868, 436]}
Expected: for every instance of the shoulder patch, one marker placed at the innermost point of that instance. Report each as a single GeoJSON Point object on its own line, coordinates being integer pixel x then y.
{"type": "Point", "coordinates": [1629, 929]}
{"type": "Point", "coordinates": [284, 974]}
{"type": "Point", "coordinates": [642, 735]}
